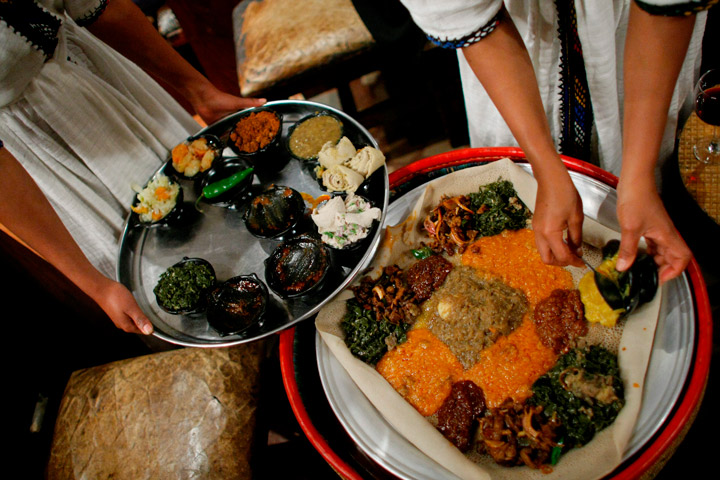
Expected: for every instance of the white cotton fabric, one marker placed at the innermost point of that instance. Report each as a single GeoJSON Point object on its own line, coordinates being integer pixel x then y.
{"type": "Point", "coordinates": [602, 26]}
{"type": "Point", "coordinates": [86, 126]}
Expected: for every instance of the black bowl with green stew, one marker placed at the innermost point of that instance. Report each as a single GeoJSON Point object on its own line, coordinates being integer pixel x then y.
{"type": "Point", "coordinates": [183, 287]}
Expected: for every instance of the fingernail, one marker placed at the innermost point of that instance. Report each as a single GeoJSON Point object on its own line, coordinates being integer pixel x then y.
{"type": "Point", "coordinates": [147, 329]}
{"type": "Point", "coordinates": [621, 264]}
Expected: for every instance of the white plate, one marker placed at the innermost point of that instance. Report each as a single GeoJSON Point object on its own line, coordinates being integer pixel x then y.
{"type": "Point", "coordinates": [669, 365]}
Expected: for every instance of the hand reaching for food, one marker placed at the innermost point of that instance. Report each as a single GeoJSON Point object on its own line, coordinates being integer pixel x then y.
{"type": "Point", "coordinates": [558, 209]}
{"type": "Point", "coordinates": [641, 214]}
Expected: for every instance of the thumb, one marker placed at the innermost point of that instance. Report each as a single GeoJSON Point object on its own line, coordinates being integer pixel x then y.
{"type": "Point", "coordinates": [628, 250]}
{"type": "Point", "coordinates": [141, 321]}
{"type": "Point", "coordinates": [255, 102]}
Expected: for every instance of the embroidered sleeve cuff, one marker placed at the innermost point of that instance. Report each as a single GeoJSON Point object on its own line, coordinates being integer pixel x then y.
{"type": "Point", "coordinates": [476, 36]}
{"type": "Point", "coordinates": [85, 12]}
{"type": "Point", "coordinates": [455, 23]}
{"type": "Point", "coordinates": [674, 7]}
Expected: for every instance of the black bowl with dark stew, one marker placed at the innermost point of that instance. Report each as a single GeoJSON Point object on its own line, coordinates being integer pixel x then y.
{"type": "Point", "coordinates": [274, 212]}
{"type": "Point", "coordinates": [237, 304]}
{"type": "Point", "coordinates": [298, 266]}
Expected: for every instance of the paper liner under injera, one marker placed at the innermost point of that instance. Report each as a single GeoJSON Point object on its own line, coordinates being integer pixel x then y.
{"type": "Point", "coordinates": [594, 460]}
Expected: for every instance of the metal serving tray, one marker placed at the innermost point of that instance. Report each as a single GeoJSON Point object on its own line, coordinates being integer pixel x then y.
{"type": "Point", "coordinates": [670, 360]}
{"type": "Point", "coordinates": [220, 237]}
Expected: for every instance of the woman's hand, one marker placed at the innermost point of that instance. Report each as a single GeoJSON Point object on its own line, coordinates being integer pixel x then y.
{"type": "Point", "coordinates": [558, 208]}
{"type": "Point", "coordinates": [655, 50]}
{"type": "Point", "coordinates": [121, 307]}
{"type": "Point", "coordinates": [642, 214]}
{"type": "Point", "coordinates": [213, 104]}
{"type": "Point", "coordinates": [123, 26]}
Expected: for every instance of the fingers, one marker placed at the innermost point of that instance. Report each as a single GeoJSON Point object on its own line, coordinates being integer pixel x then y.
{"type": "Point", "coordinates": [629, 240]}
{"type": "Point", "coordinates": [672, 257]}
{"type": "Point", "coordinates": [255, 102]}
{"type": "Point", "coordinates": [574, 235]}
{"type": "Point", "coordinates": [133, 322]}
{"type": "Point", "coordinates": [554, 246]}
{"type": "Point", "coordinates": [555, 251]}
{"type": "Point", "coordinates": [138, 322]}
{"type": "Point", "coordinates": [120, 305]}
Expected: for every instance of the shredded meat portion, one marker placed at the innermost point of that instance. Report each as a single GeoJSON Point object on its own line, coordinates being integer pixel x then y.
{"type": "Point", "coordinates": [515, 434]}
{"type": "Point", "coordinates": [457, 417]}
{"type": "Point", "coordinates": [560, 319]}
{"type": "Point", "coordinates": [444, 225]}
{"type": "Point", "coordinates": [389, 296]}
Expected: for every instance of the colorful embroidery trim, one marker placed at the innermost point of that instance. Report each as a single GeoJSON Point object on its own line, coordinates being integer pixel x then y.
{"type": "Point", "coordinates": [576, 115]}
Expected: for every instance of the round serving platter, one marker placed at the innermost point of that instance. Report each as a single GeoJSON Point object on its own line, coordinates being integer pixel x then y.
{"type": "Point", "coordinates": [670, 361]}
{"type": "Point", "coordinates": [219, 235]}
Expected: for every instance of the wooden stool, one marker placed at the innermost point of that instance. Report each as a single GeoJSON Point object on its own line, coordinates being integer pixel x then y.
{"type": "Point", "coordinates": [284, 47]}
{"type": "Point", "coordinates": [187, 413]}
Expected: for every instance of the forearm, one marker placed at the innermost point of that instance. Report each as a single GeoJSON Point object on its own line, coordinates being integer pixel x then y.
{"type": "Point", "coordinates": [124, 27]}
{"type": "Point", "coordinates": [502, 65]}
{"type": "Point", "coordinates": [27, 213]}
{"type": "Point", "coordinates": [655, 48]}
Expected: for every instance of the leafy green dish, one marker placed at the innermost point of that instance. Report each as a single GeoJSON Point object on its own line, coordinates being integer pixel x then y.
{"type": "Point", "coordinates": [181, 288]}
{"type": "Point", "coordinates": [367, 338]}
{"type": "Point", "coordinates": [497, 208]}
{"type": "Point", "coordinates": [583, 391]}
{"type": "Point", "coordinates": [459, 220]}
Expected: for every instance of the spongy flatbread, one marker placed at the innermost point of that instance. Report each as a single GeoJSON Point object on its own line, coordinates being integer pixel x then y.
{"type": "Point", "coordinates": [596, 459]}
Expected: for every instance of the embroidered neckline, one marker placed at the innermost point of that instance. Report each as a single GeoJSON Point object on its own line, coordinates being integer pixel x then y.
{"type": "Point", "coordinates": [29, 20]}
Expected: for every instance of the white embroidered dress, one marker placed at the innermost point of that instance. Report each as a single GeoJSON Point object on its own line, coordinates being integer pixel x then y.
{"type": "Point", "coordinates": [86, 124]}
{"type": "Point", "coordinates": [601, 27]}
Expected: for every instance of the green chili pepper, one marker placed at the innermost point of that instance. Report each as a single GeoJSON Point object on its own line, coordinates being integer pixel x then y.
{"type": "Point", "coordinates": [221, 186]}
{"type": "Point", "coordinates": [556, 452]}
{"type": "Point", "coordinates": [421, 253]}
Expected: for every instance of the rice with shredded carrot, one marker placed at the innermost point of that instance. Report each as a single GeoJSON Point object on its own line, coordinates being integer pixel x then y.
{"type": "Point", "coordinates": [156, 199]}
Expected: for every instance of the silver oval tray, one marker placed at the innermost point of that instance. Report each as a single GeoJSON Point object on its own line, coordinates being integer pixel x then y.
{"type": "Point", "coordinates": [220, 237]}
{"type": "Point", "coordinates": [669, 365]}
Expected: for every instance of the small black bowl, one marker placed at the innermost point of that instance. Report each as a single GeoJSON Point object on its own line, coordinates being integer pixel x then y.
{"type": "Point", "coordinates": [237, 304]}
{"type": "Point", "coordinates": [222, 170]}
{"type": "Point", "coordinates": [274, 212]}
{"type": "Point", "coordinates": [298, 266]}
{"type": "Point", "coordinates": [250, 148]}
{"type": "Point", "coordinates": [173, 217]}
{"type": "Point", "coordinates": [179, 281]}
{"type": "Point", "coordinates": [213, 143]}
{"type": "Point", "coordinates": [306, 138]}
